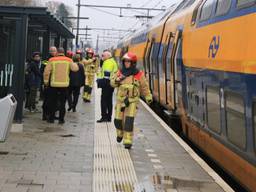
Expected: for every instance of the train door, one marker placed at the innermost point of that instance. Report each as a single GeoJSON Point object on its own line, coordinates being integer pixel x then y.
{"type": "Point", "coordinates": [154, 68]}
{"type": "Point", "coordinates": [167, 64]}
{"type": "Point", "coordinates": [172, 79]}
{"type": "Point", "coordinates": [145, 60]}
{"type": "Point", "coordinates": [149, 60]}
{"type": "Point", "coordinates": [151, 66]}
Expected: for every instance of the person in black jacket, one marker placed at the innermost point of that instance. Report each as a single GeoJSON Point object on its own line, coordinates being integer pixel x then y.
{"type": "Point", "coordinates": [76, 82]}
{"type": "Point", "coordinates": [45, 106]}
{"type": "Point", "coordinates": [33, 80]}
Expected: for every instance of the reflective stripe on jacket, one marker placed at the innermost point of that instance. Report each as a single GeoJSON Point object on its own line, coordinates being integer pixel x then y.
{"type": "Point", "coordinates": [58, 69]}
{"type": "Point", "coordinates": [90, 66]}
{"type": "Point", "coordinates": [132, 87]}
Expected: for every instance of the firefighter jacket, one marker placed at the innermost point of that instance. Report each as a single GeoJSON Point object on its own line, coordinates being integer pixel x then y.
{"type": "Point", "coordinates": [131, 87]}
{"type": "Point", "coordinates": [90, 66]}
{"type": "Point", "coordinates": [57, 70]}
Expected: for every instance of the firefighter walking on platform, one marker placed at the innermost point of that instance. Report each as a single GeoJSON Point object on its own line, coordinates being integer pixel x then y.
{"type": "Point", "coordinates": [131, 84]}
{"type": "Point", "coordinates": [91, 65]}
{"type": "Point", "coordinates": [56, 77]}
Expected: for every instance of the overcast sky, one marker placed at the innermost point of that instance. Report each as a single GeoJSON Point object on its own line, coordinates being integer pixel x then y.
{"type": "Point", "coordinates": [99, 19]}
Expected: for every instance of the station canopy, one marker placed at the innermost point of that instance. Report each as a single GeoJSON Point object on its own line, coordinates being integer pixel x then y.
{"type": "Point", "coordinates": [39, 19]}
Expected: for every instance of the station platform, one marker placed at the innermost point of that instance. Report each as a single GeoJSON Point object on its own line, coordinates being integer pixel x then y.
{"type": "Point", "coordinates": [83, 156]}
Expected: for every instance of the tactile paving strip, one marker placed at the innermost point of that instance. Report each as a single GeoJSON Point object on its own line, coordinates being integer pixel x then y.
{"type": "Point", "coordinates": [113, 168]}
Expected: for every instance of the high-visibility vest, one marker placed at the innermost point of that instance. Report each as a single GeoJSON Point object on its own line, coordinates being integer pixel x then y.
{"type": "Point", "coordinates": [108, 68]}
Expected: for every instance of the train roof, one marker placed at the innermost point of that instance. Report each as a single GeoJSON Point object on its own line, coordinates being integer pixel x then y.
{"type": "Point", "coordinates": [140, 35]}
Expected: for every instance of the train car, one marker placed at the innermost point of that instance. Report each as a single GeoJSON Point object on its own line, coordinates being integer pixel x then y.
{"type": "Point", "coordinates": [201, 64]}
{"type": "Point", "coordinates": [118, 51]}
{"type": "Point", "coordinates": [137, 46]}
{"type": "Point", "coordinates": [220, 113]}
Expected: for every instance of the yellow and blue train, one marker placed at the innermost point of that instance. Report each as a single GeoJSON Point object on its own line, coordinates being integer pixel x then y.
{"type": "Point", "coordinates": [200, 59]}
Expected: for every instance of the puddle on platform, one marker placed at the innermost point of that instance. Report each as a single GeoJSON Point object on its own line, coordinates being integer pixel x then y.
{"type": "Point", "coordinates": [13, 153]}
{"type": "Point", "coordinates": [29, 183]}
{"type": "Point", "coordinates": [68, 135]}
{"type": "Point", "coordinates": [4, 152]}
{"type": "Point", "coordinates": [166, 183]}
{"type": "Point", "coordinates": [52, 129]}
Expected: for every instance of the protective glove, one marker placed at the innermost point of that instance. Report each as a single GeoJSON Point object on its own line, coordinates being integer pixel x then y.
{"type": "Point", "coordinates": [120, 78]}
{"type": "Point", "coordinates": [126, 102]}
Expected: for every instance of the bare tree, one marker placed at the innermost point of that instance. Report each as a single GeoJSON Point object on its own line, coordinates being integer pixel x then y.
{"type": "Point", "coordinates": [52, 6]}
{"type": "Point", "coordinates": [61, 11]}
{"type": "Point", "coordinates": [20, 2]}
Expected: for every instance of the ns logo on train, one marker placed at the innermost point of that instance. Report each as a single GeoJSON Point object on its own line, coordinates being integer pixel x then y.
{"type": "Point", "coordinates": [214, 47]}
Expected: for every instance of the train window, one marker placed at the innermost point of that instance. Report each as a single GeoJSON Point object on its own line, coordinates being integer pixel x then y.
{"type": "Point", "coordinates": [245, 3]}
{"type": "Point", "coordinates": [223, 7]}
{"type": "Point", "coordinates": [180, 6]}
{"type": "Point", "coordinates": [206, 10]}
{"type": "Point", "coordinates": [235, 114]}
{"type": "Point", "coordinates": [189, 3]}
{"type": "Point", "coordinates": [152, 57]}
{"type": "Point", "coordinates": [160, 60]}
{"type": "Point", "coordinates": [195, 13]}
{"type": "Point", "coordinates": [168, 61]}
{"type": "Point", "coordinates": [213, 109]}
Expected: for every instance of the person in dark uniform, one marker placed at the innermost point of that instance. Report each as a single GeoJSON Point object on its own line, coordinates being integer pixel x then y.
{"type": "Point", "coordinates": [45, 106]}
{"type": "Point", "coordinates": [108, 68]}
{"type": "Point", "coordinates": [33, 79]}
{"type": "Point", "coordinates": [76, 82]}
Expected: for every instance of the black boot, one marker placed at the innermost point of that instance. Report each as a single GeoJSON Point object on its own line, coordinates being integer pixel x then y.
{"type": "Point", "coordinates": [61, 122]}
{"type": "Point", "coordinates": [128, 146]}
{"type": "Point", "coordinates": [50, 121]}
{"type": "Point", "coordinates": [119, 139]}
{"type": "Point", "coordinates": [45, 117]}
{"type": "Point", "coordinates": [102, 120]}
{"type": "Point", "coordinates": [69, 108]}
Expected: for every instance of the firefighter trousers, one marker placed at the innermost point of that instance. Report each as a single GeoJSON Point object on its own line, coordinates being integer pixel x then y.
{"type": "Point", "coordinates": [124, 121]}
{"type": "Point", "coordinates": [89, 80]}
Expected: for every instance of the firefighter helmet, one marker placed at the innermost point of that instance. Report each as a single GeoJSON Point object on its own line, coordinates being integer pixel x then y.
{"type": "Point", "coordinates": [78, 51]}
{"type": "Point", "coordinates": [130, 56]}
{"type": "Point", "coordinates": [70, 54]}
{"type": "Point", "coordinates": [90, 51]}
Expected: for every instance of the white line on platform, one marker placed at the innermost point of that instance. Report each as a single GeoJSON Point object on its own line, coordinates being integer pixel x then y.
{"type": "Point", "coordinates": [190, 151]}
{"type": "Point", "coordinates": [155, 160]}
{"type": "Point", "coordinates": [158, 166]}
{"type": "Point", "coordinates": [152, 155]}
{"type": "Point", "coordinates": [150, 150]}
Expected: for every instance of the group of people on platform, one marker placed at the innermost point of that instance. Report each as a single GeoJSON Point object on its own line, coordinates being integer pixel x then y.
{"type": "Point", "coordinates": [61, 76]}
